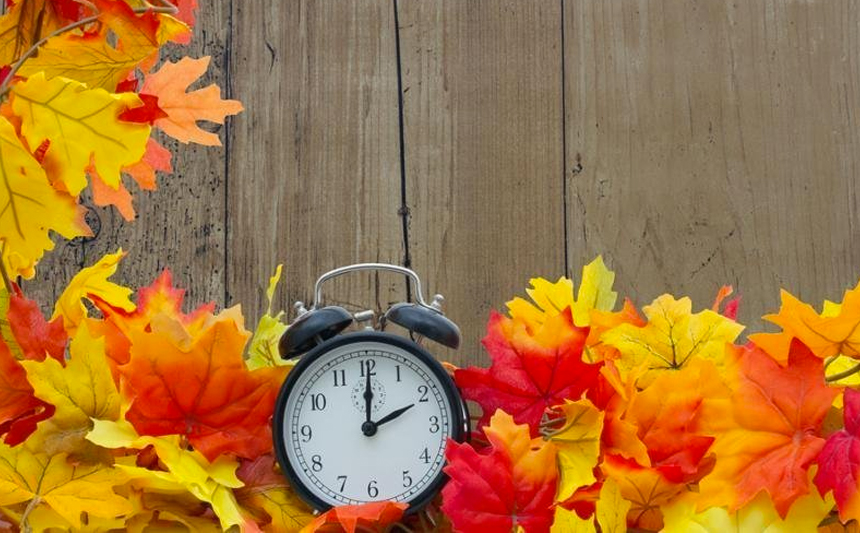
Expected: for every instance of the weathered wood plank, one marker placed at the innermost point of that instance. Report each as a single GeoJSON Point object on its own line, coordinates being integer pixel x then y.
{"type": "Point", "coordinates": [314, 167]}
{"type": "Point", "coordinates": [483, 117]}
{"type": "Point", "coordinates": [713, 142]}
{"type": "Point", "coordinates": [181, 225]}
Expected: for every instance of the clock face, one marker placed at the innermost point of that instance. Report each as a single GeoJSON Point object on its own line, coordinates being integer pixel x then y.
{"type": "Point", "coordinates": [366, 417]}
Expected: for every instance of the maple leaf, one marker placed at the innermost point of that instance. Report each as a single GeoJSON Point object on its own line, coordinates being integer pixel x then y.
{"type": "Point", "coordinates": [566, 521]}
{"type": "Point", "coordinates": [82, 125]}
{"type": "Point", "coordinates": [612, 509]}
{"type": "Point", "coordinates": [263, 350]}
{"type": "Point", "coordinates": [730, 310]}
{"type": "Point", "coordinates": [68, 489]}
{"type": "Point", "coordinates": [773, 421]}
{"type": "Point", "coordinates": [156, 158]}
{"type": "Point", "coordinates": [220, 406]}
{"type": "Point", "coordinates": [90, 282]}
{"type": "Point", "coordinates": [835, 331]}
{"type": "Point", "coordinates": [185, 109]}
{"type": "Point", "coordinates": [23, 24]}
{"type": "Point", "coordinates": [673, 336]}
{"type": "Point", "coordinates": [839, 460]}
{"type": "Point", "coordinates": [530, 371]}
{"type": "Point", "coordinates": [30, 208]}
{"type": "Point", "coordinates": [512, 485]}
{"type": "Point", "coordinates": [374, 517]}
{"type": "Point", "coordinates": [647, 489]}
{"type": "Point", "coordinates": [266, 493]}
{"type": "Point", "coordinates": [20, 410]}
{"type": "Point", "coordinates": [187, 14]}
{"type": "Point", "coordinates": [29, 335]}
{"type": "Point", "coordinates": [578, 445]}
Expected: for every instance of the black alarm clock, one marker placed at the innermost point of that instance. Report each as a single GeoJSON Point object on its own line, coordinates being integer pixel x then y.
{"type": "Point", "coordinates": [365, 416]}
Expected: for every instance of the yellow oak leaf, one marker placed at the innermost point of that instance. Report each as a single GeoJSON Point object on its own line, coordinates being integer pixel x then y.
{"type": "Point", "coordinates": [673, 336]}
{"type": "Point", "coordinates": [566, 521]}
{"type": "Point", "coordinates": [263, 349]}
{"type": "Point", "coordinates": [550, 299]}
{"type": "Point", "coordinates": [612, 508]}
{"type": "Point", "coordinates": [185, 109]}
{"type": "Point", "coordinates": [92, 280]}
{"type": "Point", "coordinates": [186, 470]}
{"type": "Point", "coordinates": [30, 208]}
{"type": "Point", "coordinates": [82, 125]}
{"type": "Point", "coordinates": [82, 390]}
{"type": "Point", "coordinates": [68, 489]}
{"type": "Point", "coordinates": [578, 444]}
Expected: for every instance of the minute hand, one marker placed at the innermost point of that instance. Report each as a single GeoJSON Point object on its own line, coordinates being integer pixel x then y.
{"type": "Point", "coordinates": [394, 414]}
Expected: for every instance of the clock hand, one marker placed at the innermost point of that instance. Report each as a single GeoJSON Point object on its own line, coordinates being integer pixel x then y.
{"type": "Point", "coordinates": [368, 397]}
{"type": "Point", "coordinates": [394, 414]}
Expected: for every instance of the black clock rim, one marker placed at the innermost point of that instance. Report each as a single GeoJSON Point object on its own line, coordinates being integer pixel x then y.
{"type": "Point", "coordinates": [459, 414]}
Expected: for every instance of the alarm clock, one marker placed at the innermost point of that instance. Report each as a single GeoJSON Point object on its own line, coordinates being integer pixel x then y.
{"type": "Point", "coordinates": [365, 416]}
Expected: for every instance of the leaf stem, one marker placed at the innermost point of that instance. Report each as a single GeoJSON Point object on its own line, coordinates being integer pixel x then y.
{"type": "Point", "coordinates": [6, 281]}
{"type": "Point", "coordinates": [844, 374]}
{"type": "Point", "coordinates": [25, 525]}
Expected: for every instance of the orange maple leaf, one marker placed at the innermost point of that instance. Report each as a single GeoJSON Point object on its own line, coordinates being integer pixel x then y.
{"type": "Point", "coordinates": [183, 108]}
{"type": "Point", "coordinates": [376, 516]}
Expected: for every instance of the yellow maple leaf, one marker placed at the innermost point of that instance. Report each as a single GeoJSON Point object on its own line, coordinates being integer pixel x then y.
{"type": "Point", "coordinates": [186, 470]}
{"type": "Point", "coordinates": [92, 280]}
{"type": "Point", "coordinates": [578, 444]}
{"type": "Point", "coordinates": [183, 108]}
{"type": "Point", "coordinates": [263, 349]}
{"type": "Point", "coordinates": [68, 489]}
{"type": "Point", "coordinates": [22, 25]}
{"type": "Point", "coordinates": [80, 391]}
{"type": "Point", "coordinates": [595, 292]}
{"type": "Point", "coordinates": [566, 521]}
{"type": "Point", "coordinates": [673, 336]}
{"type": "Point", "coordinates": [30, 208]}
{"type": "Point", "coordinates": [82, 125]}
{"type": "Point", "coordinates": [612, 508]}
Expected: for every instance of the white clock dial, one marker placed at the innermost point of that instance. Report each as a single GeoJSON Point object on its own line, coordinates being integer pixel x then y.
{"type": "Point", "coordinates": [326, 435]}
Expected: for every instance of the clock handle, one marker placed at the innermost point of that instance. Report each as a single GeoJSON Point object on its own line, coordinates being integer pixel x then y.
{"type": "Point", "coordinates": [435, 305]}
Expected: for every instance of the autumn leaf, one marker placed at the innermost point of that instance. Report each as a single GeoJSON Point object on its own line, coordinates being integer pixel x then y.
{"type": "Point", "coordinates": [263, 350]}
{"type": "Point", "coordinates": [529, 372]}
{"type": "Point", "coordinates": [92, 282]}
{"type": "Point", "coordinates": [772, 436]}
{"type": "Point", "coordinates": [185, 109]}
{"type": "Point", "coordinates": [26, 332]}
{"type": "Point", "coordinates": [23, 24]}
{"type": "Point", "coordinates": [266, 493]}
{"type": "Point", "coordinates": [578, 445]}
{"type": "Point", "coordinates": [68, 489]}
{"type": "Point", "coordinates": [512, 485]}
{"type": "Point", "coordinates": [156, 158]}
{"type": "Point", "coordinates": [835, 331]}
{"type": "Point", "coordinates": [20, 410]}
{"type": "Point", "coordinates": [673, 336]}
{"type": "Point", "coordinates": [374, 517]}
{"type": "Point", "coordinates": [82, 125]}
{"type": "Point", "coordinates": [730, 309]}
{"type": "Point", "coordinates": [839, 460]}
{"type": "Point", "coordinates": [612, 509]}
{"type": "Point", "coordinates": [220, 406]}
{"type": "Point", "coordinates": [647, 489]}
{"type": "Point", "coordinates": [566, 521]}
{"type": "Point", "coordinates": [30, 209]}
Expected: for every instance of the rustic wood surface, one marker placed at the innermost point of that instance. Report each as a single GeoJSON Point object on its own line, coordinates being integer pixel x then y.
{"type": "Point", "coordinates": [691, 143]}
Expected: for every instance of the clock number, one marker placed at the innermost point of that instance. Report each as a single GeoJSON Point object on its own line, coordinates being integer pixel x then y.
{"type": "Point", "coordinates": [342, 480]}
{"type": "Point", "coordinates": [307, 433]}
{"type": "Point", "coordinates": [425, 456]}
{"type": "Point", "coordinates": [339, 377]}
{"type": "Point", "coordinates": [367, 366]}
{"type": "Point", "coordinates": [397, 368]}
{"type": "Point", "coordinates": [372, 491]}
{"type": "Point", "coordinates": [407, 479]}
{"type": "Point", "coordinates": [318, 402]}
{"type": "Point", "coordinates": [434, 424]}
{"type": "Point", "coordinates": [423, 390]}
{"type": "Point", "coordinates": [316, 463]}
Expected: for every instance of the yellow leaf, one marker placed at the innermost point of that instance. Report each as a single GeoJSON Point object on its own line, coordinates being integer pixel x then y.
{"type": "Point", "coordinates": [612, 508]}
{"type": "Point", "coordinates": [263, 349]}
{"type": "Point", "coordinates": [672, 337]}
{"type": "Point", "coordinates": [21, 26]}
{"type": "Point", "coordinates": [82, 125]}
{"type": "Point", "coordinates": [68, 490]}
{"type": "Point", "coordinates": [30, 208]}
{"type": "Point", "coordinates": [578, 443]}
{"type": "Point", "coordinates": [84, 389]}
{"type": "Point", "coordinates": [595, 292]}
{"type": "Point", "coordinates": [188, 470]}
{"type": "Point", "coordinates": [569, 522]}
{"type": "Point", "coordinates": [92, 280]}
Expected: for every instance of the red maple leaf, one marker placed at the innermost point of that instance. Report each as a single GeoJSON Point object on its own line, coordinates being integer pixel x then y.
{"type": "Point", "coordinates": [36, 337]}
{"type": "Point", "coordinates": [20, 410]}
{"type": "Point", "coordinates": [147, 113]}
{"type": "Point", "coordinates": [839, 461]}
{"type": "Point", "coordinates": [375, 517]}
{"type": "Point", "coordinates": [530, 371]}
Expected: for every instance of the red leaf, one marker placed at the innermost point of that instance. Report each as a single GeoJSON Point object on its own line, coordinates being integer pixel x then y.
{"type": "Point", "coordinates": [839, 461]}
{"type": "Point", "coordinates": [376, 516]}
{"type": "Point", "coordinates": [36, 336]}
{"type": "Point", "coordinates": [187, 14]}
{"type": "Point", "coordinates": [530, 371]}
{"type": "Point", "coordinates": [147, 113]}
{"type": "Point", "coordinates": [20, 410]}
{"type": "Point", "coordinates": [730, 310]}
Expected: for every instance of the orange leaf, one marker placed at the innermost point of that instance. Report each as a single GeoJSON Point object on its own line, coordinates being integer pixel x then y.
{"type": "Point", "coordinates": [155, 158]}
{"type": "Point", "coordinates": [646, 488]}
{"type": "Point", "coordinates": [185, 109]}
{"type": "Point", "coordinates": [105, 195]}
{"type": "Point", "coordinates": [376, 516]}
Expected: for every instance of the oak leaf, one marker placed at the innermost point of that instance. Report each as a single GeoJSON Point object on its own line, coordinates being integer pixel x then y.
{"type": "Point", "coordinates": [578, 445]}
{"type": "Point", "coordinates": [185, 109]}
{"type": "Point", "coordinates": [374, 517]}
{"type": "Point", "coordinates": [30, 208]}
{"type": "Point", "coordinates": [839, 460]}
{"type": "Point", "coordinates": [773, 420]}
{"type": "Point", "coordinates": [530, 371]}
{"type": "Point", "coordinates": [512, 485]}
{"type": "Point", "coordinates": [82, 125]}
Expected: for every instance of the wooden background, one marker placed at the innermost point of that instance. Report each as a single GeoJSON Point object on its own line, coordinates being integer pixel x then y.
{"type": "Point", "coordinates": [692, 143]}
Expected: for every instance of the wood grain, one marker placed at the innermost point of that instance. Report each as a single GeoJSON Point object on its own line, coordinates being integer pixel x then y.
{"type": "Point", "coordinates": [314, 172]}
{"type": "Point", "coordinates": [715, 142]}
{"type": "Point", "coordinates": [483, 125]}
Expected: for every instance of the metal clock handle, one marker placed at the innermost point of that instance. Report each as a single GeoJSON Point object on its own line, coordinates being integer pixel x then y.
{"type": "Point", "coordinates": [435, 305]}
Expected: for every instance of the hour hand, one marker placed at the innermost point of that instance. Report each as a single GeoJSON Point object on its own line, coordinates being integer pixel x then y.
{"type": "Point", "coordinates": [394, 414]}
